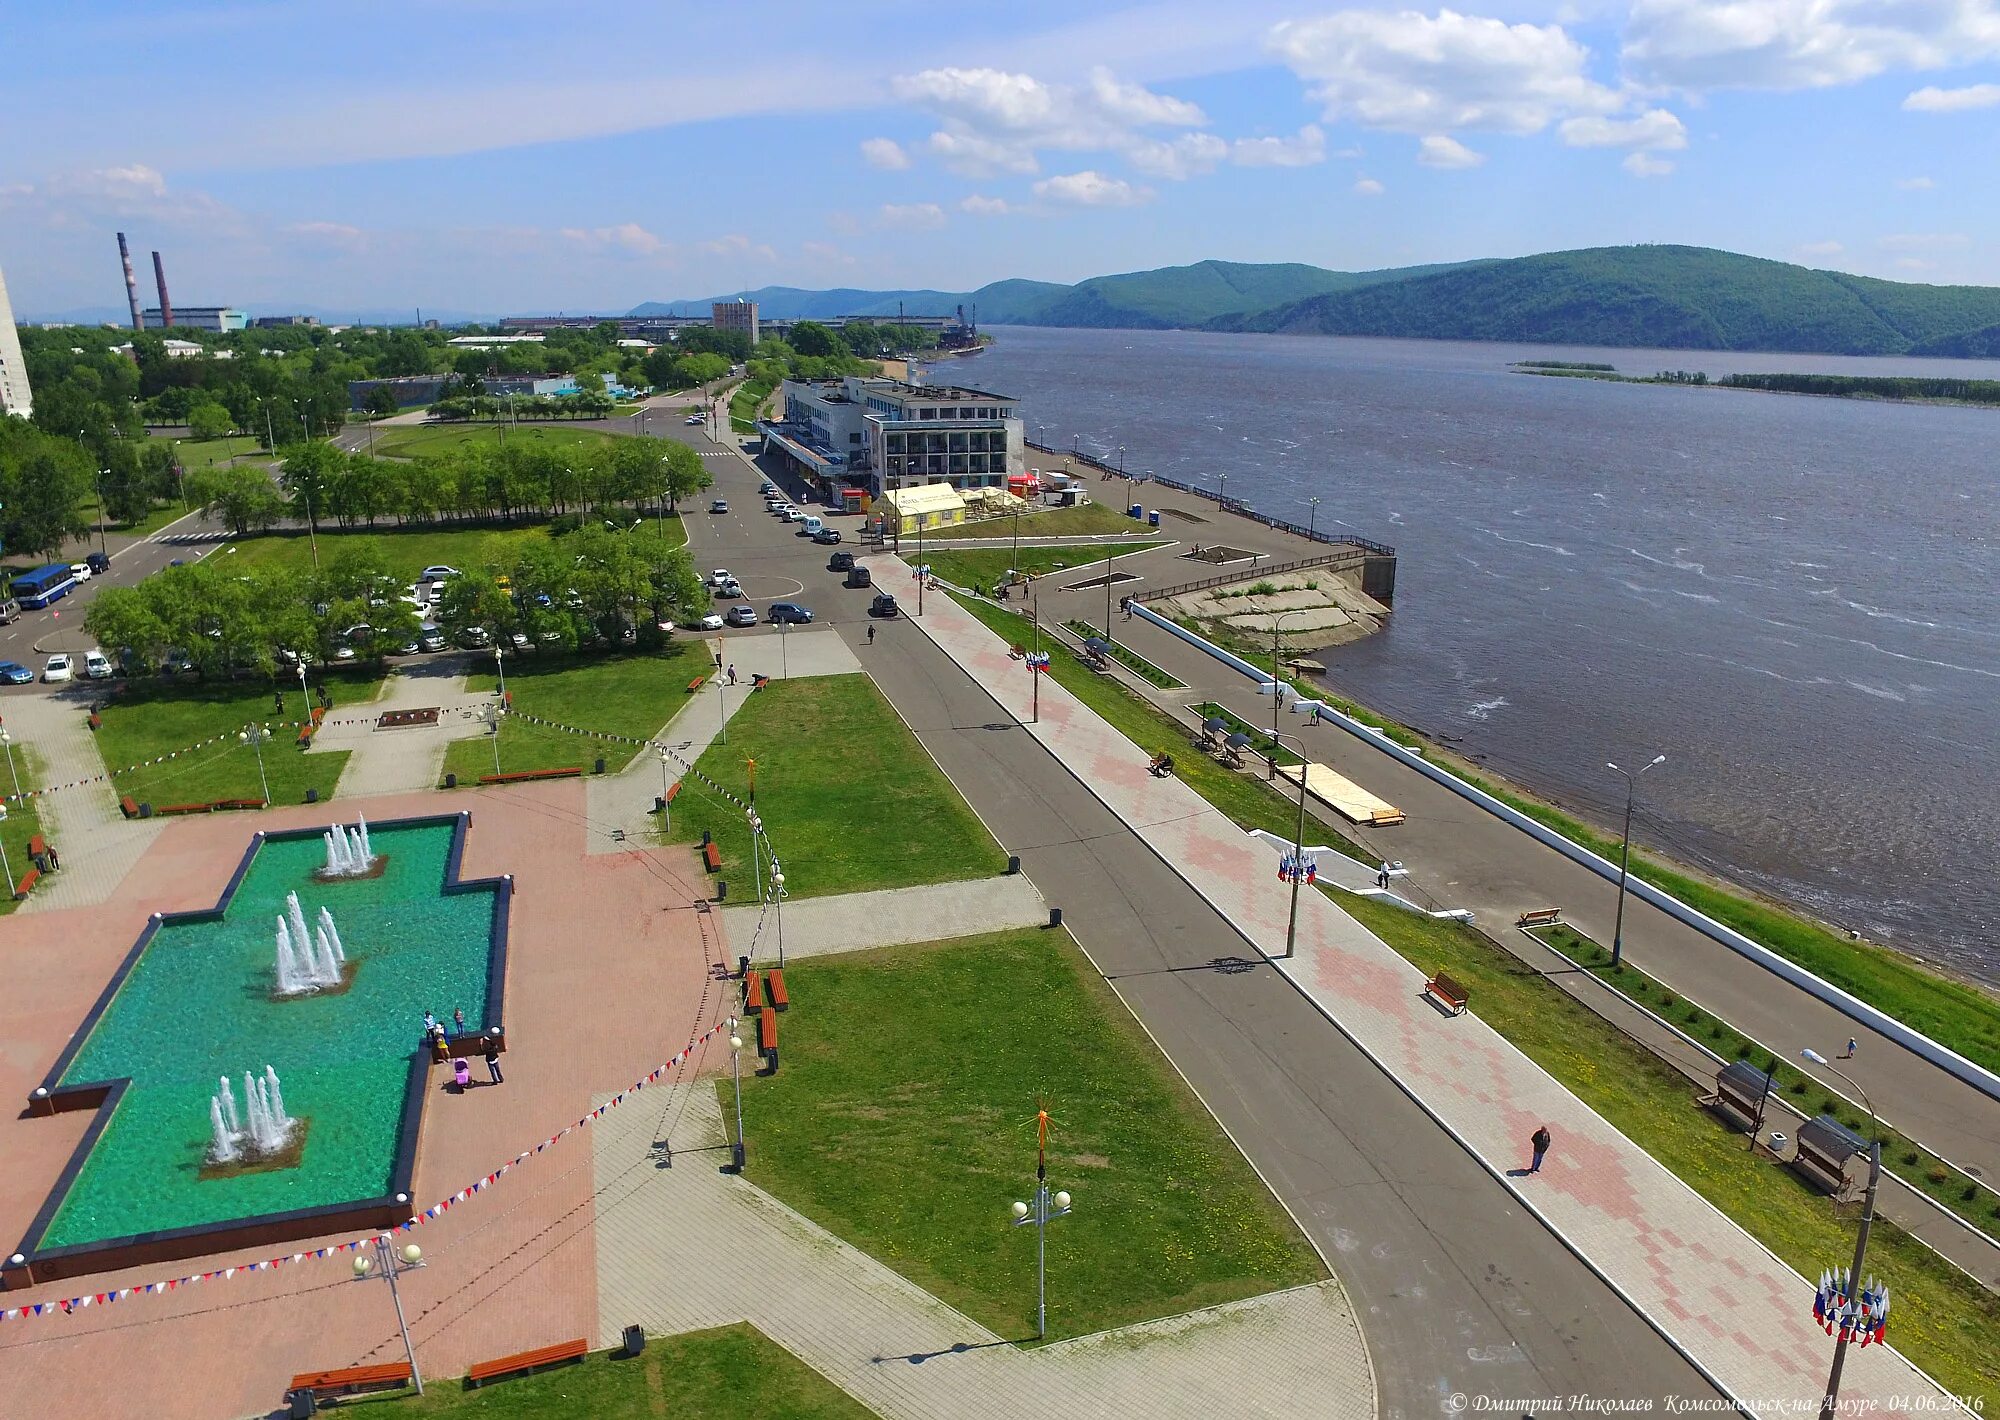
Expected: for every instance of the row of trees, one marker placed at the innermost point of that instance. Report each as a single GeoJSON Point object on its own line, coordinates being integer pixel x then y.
{"type": "Point", "coordinates": [525, 480]}
{"type": "Point", "coordinates": [585, 404]}
{"type": "Point", "coordinates": [589, 587]}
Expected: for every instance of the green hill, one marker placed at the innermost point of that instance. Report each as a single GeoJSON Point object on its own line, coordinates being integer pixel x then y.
{"type": "Point", "coordinates": [1982, 344]}
{"type": "Point", "coordinates": [1689, 298]}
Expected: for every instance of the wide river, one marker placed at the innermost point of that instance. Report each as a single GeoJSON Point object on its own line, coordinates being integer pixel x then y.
{"type": "Point", "coordinates": [1796, 600]}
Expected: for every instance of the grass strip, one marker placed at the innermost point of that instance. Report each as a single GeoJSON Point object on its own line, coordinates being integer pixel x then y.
{"type": "Point", "coordinates": [407, 551]}
{"type": "Point", "coordinates": [1127, 657]}
{"type": "Point", "coordinates": [731, 1370]}
{"type": "Point", "coordinates": [1945, 1184]}
{"type": "Point", "coordinates": [1954, 1014]}
{"type": "Point", "coordinates": [24, 818]}
{"type": "Point", "coordinates": [1949, 1326]}
{"type": "Point", "coordinates": [903, 1120]}
{"type": "Point", "coordinates": [412, 440]}
{"type": "Point", "coordinates": [986, 566]}
{"type": "Point", "coordinates": [151, 719]}
{"type": "Point", "coordinates": [631, 695]}
{"type": "Point", "coordinates": [1260, 740]}
{"type": "Point", "coordinates": [846, 792]}
{"type": "Point", "coordinates": [1082, 520]}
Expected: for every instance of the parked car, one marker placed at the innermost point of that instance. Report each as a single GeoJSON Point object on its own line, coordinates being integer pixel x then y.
{"type": "Point", "coordinates": [96, 665]}
{"type": "Point", "coordinates": [9, 609]}
{"type": "Point", "coordinates": [437, 573]}
{"type": "Point", "coordinates": [840, 562]}
{"type": "Point", "coordinates": [767, 487]}
{"type": "Point", "coordinates": [98, 563]}
{"type": "Point", "coordinates": [719, 576]}
{"type": "Point", "coordinates": [883, 605]}
{"type": "Point", "coordinates": [344, 652]}
{"type": "Point", "coordinates": [859, 577]}
{"type": "Point", "coordinates": [14, 673]}
{"type": "Point", "coordinates": [730, 588]}
{"type": "Point", "coordinates": [720, 505]}
{"type": "Point", "coordinates": [789, 612]}
{"type": "Point", "coordinates": [692, 419]}
{"type": "Point", "coordinates": [741, 616]}
{"type": "Point", "coordinates": [409, 648]}
{"type": "Point", "coordinates": [519, 640]}
{"type": "Point", "coordinates": [475, 638]}
{"type": "Point", "coordinates": [57, 669]}
{"type": "Point", "coordinates": [431, 638]}
{"type": "Point", "coordinates": [80, 571]}
{"type": "Point", "coordinates": [827, 537]}
{"type": "Point", "coordinates": [712, 622]}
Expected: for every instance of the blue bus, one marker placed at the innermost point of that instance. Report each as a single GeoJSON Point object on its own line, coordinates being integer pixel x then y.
{"type": "Point", "coordinates": [43, 585]}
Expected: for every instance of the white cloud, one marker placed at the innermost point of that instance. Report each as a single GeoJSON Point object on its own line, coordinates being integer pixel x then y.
{"type": "Point", "coordinates": [1924, 241]}
{"type": "Point", "coordinates": [1368, 187]}
{"type": "Point", "coordinates": [1914, 263]}
{"type": "Point", "coordinates": [884, 153]}
{"type": "Point", "coordinates": [338, 236]}
{"type": "Point", "coordinates": [132, 192]}
{"type": "Point", "coordinates": [1645, 165]}
{"type": "Point", "coordinates": [1655, 129]}
{"type": "Point", "coordinates": [1178, 159]}
{"type": "Point", "coordinates": [1914, 184]}
{"type": "Point", "coordinates": [1821, 249]}
{"type": "Point", "coordinates": [1934, 100]}
{"type": "Point", "coordinates": [1139, 106]}
{"type": "Point", "coordinates": [1417, 73]}
{"type": "Point", "coordinates": [1801, 44]}
{"type": "Point", "coordinates": [911, 216]}
{"type": "Point", "coordinates": [970, 155]}
{"type": "Point", "coordinates": [1439, 151]}
{"type": "Point", "coordinates": [1092, 189]}
{"type": "Point", "coordinates": [737, 245]}
{"type": "Point", "coordinates": [624, 239]}
{"type": "Point", "coordinates": [978, 205]}
{"type": "Point", "coordinates": [1302, 150]}
{"type": "Point", "coordinates": [826, 252]}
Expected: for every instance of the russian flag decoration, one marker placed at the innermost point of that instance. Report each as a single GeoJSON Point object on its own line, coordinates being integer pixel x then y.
{"type": "Point", "coordinates": [1858, 1314]}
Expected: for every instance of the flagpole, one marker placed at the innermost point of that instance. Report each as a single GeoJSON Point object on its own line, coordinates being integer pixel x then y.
{"type": "Point", "coordinates": [1853, 1317]}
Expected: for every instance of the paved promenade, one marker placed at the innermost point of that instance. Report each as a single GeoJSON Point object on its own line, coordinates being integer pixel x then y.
{"type": "Point", "coordinates": [856, 921]}
{"type": "Point", "coordinates": [410, 758]}
{"type": "Point", "coordinates": [685, 1247]}
{"type": "Point", "coordinates": [97, 843]}
{"type": "Point", "coordinates": [1738, 1311]}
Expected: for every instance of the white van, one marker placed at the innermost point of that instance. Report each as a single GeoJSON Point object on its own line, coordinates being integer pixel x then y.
{"type": "Point", "coordinates": [96, 665]}
{"type": "Point", "coordinates": [810, 525]}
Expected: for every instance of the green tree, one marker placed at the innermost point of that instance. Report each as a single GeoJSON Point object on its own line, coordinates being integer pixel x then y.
{"type": "Point", "coordinates": [308, 473]}
{"type": "Point", "coordinates": [241, 496]}
{"type": "Point", "coordinates": [381, 402]}
{"type": "Point", "coordinates": [687, 475]}
{"type": "Point", "coordinates": [43, 482]}
{"type": "Point", "coordinates": [209, 421]}
{"type": "Point", "coordinates": [816, 341]}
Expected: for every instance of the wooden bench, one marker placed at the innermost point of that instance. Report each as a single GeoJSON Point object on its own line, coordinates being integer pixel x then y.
{"type": "Point", "coordinates": [27, 880]}
{"type": "Point", "coordinates": [673, 791]}
{"type": "Point", "coordinates": [697, 683]}
{"type": "Point", "coordinates": [712, 855]}
{"type": "Point", "coordinates": [1448, 992]}
{"type": "Point", "coordinates": [767, 1037]}
{"type": "Point", "coordinates": [237, 804]}
{"type": "Point", "coordinates": [182, 809]}
{"type": "Point", "coordinates": [37, 846]}
{"type": "Point", "coordinates": [774, 985]}
{"type": "Point", "coordinates": [127, 807]}
{"type": "Point", "coordinates": [522, 1362]}
{"type": "Point", "coordinates": [351, 1381]}
{"type": "Point", "coordinates": [753, 992]}
{"type": "Point", "coordinates": [522, 775]}
{"type": "Point", "coordinates": [1540, 917]}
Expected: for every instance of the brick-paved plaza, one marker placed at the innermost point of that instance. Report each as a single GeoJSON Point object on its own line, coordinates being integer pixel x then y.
{"type": "Point", "coordinates": [608, 976]}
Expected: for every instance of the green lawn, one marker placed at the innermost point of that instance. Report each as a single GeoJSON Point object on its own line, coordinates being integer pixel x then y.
{"type": "Point", "coordinates": [160, 515]}
{"type": "Point", "coordinates": [985, 566]}
{"type": "Point", "coordinates": [1916, 1165]}
{"type": "Point", "coordinates": [903, 1120]}
{"type": "Point", "coordinates": [1943, 1321]}
{"type": "Point", "coordinates": [408, 440]}
{"type": "Point", "coordinates": [614, 694]}
{"type": "Point", "coordinates": [851, 800]}
{"type": "Point", "coordinates": [1126, 656]}
{"type": "Point", "coordinates": [206, 453]}
{"type": "Point", "coordinates": [410, 550]}
{"type": "Point", "coordinates": [1084, 520]}
{"type": "Point", "coordinates": [734, 1370]}
{"type": "Point", "coordinates": [24, 818]}
{"type": "Point", "coordinates": [155, 718]}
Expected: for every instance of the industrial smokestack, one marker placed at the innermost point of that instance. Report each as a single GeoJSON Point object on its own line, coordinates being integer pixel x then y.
{"type": "Point", "coordinates": [131, 282]}
{"type": "Point", "coordinates": [166, 306]}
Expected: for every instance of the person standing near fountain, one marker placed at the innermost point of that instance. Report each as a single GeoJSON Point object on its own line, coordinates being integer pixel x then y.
{"type": "Point", "coordinates": [493, 1060]}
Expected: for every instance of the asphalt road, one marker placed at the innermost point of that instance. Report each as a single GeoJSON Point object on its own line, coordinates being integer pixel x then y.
{"type": "Point", "coordinates": [1459, 1290]}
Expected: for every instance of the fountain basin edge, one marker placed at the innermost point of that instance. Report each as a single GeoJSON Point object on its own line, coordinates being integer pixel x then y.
{"type": "Point", "coordinates": [172, 1244]}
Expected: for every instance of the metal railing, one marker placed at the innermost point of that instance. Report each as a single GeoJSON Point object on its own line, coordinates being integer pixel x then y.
{"type": "Point", "coordinates": [1333, 561]}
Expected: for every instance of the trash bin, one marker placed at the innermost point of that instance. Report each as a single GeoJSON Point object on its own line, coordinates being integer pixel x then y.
{"type": "Point", "coordinates": [635, 1340]}
{"type": "Point", "coordinates": [451, 781]}
{"type": "Point", "coordinates": [600, 764]}
{"type": "Point", "coordinates": [312, 796]}
{"type": "Point", "coordinates": [1153, 518]}
{"type": "Point", "coordinates": [145, 811]}
{"type": "Point", "coordinates": [1055, 917]}
{"type": "Point", "coordinates": [1135, 512]}
{"type": "Point", "coordinates": [1013, 863]}
{"type": "Point", "coordinates": [721, 889]}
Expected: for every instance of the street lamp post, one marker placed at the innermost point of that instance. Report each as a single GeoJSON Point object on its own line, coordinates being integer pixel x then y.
{"type": "Point", "coordinates": [778, 902]}
{"type": "Point", "coordinates": [7, 739]}
{"type": "Point", "coordinates": [1046, 1209]}
{"type": "Point", "coordinates": [500, 669]}
{"type": "Point", "coordinates": [4, 864]}
{"type": "Point", "coordinates": [1851, 1312]}
{"type": "Point", "coordinates": [390, 1264]}
{"type": "Point", "coordinates": [1222, 489]}
{"type": "Point", "coordinates": [736, 1074]}
{"type": "Point", "coordinates": [255, 736]}
{"type": "Point", "coordinates": [666, 792]}
{"type": "Point", "coordinates": [756, 852]}
{"type": "Point", "coordinates": [721, 691]}
{"type": "Point", "coordinates": [1312, 521]}
{"type": "Point", "coordinates": [490, 715]}
{"type": "Point", "coordinates": [103, 546]}
{"type": "Point", "coordinates": [1278, 689]}
{"type": "Point", "coordinates": [1625, 851]}
{"type": "Point", "coordinates": [1298, 850]}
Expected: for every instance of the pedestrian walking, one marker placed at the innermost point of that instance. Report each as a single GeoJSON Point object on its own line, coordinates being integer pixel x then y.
{"type": "Point", "coordinates": [277, 702]}
{"type": "Point", "coordinates": [718, 660]}
{"type": "Point", "coordinates": [1382, 876]}
{"type": "Point", "coordinates": [430, 1024]}
{"type": "Point", "coordinates": [325, 698]}
{"type": "Point", "coordinates": [1541, 1140]}
{"type": "Point", "coordinates": [458, 1019]}
{"type": "Point", "coordinates": [55, 861]}
{"type": "Point", "coordinates": [871, 635]}
{"type": "Point", "coordinates": [732, 675]}
{"type": "Point", "coordinates": [1313, 719]}
{"type": "Point", "coordinates": [493, 1060]}
{"type": "Point", "coordinates": [1852, 1043]}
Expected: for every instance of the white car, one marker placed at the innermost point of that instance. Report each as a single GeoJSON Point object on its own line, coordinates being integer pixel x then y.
{"type": "Point", "coordinates": [58, 669]}
{"type": "Point", "coordinates": [80, 571]}
{"type": "Point", "coordinates": [692, 419]}
{"type": "Point", "coordinates": [438, 573]}
{"type": "Point", "coordinates": [96, 665]}
{"type": "Point", "coordinates": [712, 622]}
{"type": "Point", "coordinates": [719, 576]}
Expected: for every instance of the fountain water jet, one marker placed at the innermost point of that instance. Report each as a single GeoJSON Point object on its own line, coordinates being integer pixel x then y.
{"type": "Point", "coordinates": [307, 962]}
{"type": "Point", "coordinates": [263, 1129]}
{"type": "Point", "coordinates": [348, 852]}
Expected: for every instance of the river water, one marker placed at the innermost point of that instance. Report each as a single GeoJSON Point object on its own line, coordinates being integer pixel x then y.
{"type": "Point", "coordinates": [1796, 600]}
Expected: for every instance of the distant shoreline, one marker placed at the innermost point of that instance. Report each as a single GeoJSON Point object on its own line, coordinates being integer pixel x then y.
{"type": "Point", "coordinates": [1881, 389]}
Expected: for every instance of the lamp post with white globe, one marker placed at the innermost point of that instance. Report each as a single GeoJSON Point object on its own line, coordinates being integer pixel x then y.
{"type": "Point", "coordinates": [736, 1074]}
{"type": "Point", "coordinates": [256, 736]}
{"type": "Point", "coordinates": [778, 901]}
{"type": "Point", "coordinates": [1046, 1208]}
{"type": "Point", "coordinates": [389, 1262]}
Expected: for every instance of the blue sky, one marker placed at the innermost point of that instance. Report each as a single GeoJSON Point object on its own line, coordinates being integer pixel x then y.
{"type": "Point", "coordinates": [496, 156]}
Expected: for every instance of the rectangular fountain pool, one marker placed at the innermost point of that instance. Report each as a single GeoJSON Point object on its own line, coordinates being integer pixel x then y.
{"type": "Point", "coordinates": [197, 1001]}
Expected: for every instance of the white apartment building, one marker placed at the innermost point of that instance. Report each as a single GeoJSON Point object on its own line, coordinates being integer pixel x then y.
{"type": "Point", "coordinates": [15, 396]}
{"type": "Point", "coordinates": [198, 318]}
{"type": "Point", "coordinates": [877, 435]}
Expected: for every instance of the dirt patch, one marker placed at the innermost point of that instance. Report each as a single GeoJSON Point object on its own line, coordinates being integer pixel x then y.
{"type": "Point", "coordinates": [404, 719]}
